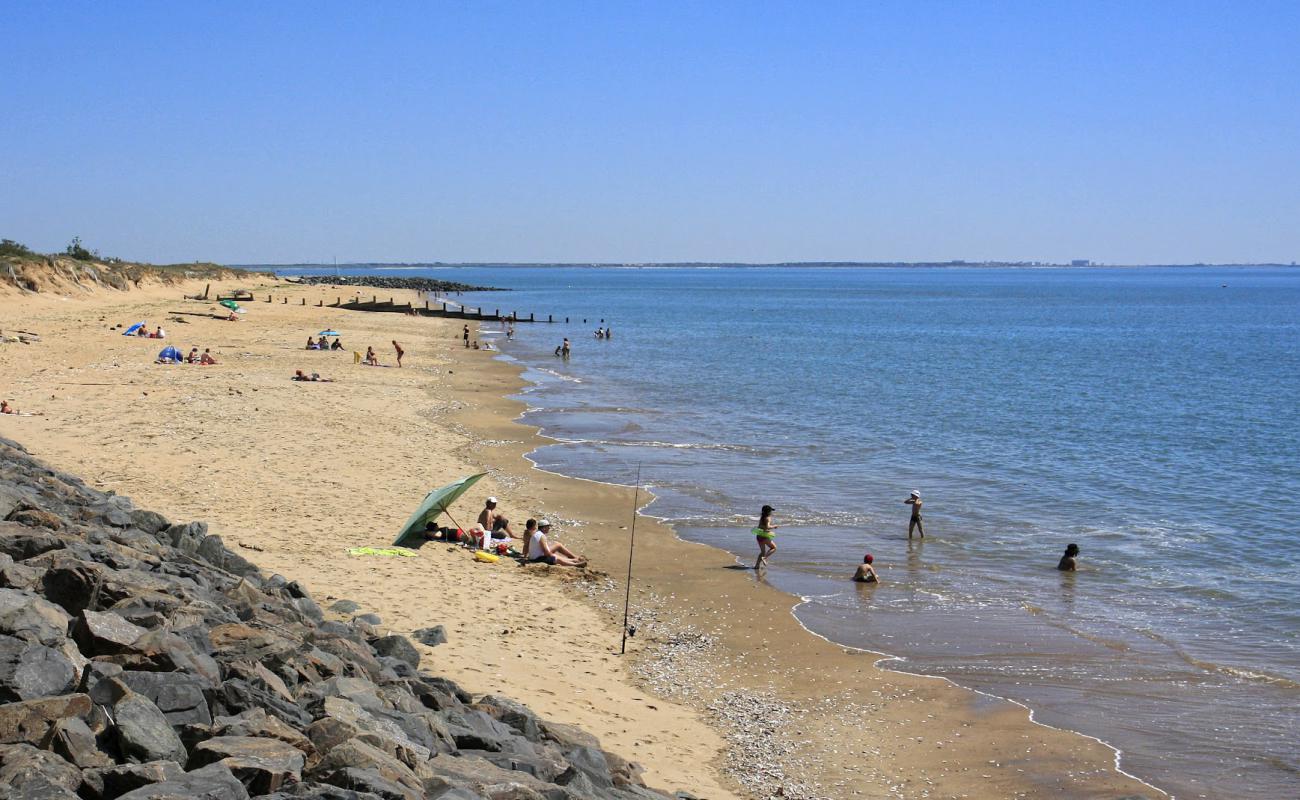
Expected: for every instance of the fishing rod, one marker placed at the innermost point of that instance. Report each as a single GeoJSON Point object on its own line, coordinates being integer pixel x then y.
{"type": "Point", "coordinates": [631, 548]}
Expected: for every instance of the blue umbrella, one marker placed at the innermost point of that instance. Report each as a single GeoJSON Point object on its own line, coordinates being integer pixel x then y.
{"type": "Point", "coordinates": [328, 333]}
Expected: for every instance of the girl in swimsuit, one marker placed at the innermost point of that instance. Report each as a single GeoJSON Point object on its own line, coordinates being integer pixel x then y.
{"type": "Point", "coordinates": [764, 532]}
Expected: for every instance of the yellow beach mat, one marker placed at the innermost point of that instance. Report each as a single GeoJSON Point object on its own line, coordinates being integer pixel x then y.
{"type": "Point", "coordinates": [400, 552]}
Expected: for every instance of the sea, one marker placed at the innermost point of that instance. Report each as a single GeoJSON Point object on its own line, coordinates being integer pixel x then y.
{"type": "Point", "coordinates": [1148, 415]}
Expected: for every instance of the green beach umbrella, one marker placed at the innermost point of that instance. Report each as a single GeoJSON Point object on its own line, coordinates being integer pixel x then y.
{"type": "Point", "coordinates": [435, 503]}
{"type": "Point", "coordinates": [230, 304]}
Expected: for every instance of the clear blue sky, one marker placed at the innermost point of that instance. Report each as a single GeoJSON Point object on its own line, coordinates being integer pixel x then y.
{"type": "Point", "coordinates": [546, 131]}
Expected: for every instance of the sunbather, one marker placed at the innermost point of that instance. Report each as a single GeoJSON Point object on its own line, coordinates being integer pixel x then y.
{"type": "Point", "coordinates": [193, 357]}
{"type": "Point", "coordinates": [315, 377]}
{"type": "Point", "coordinates": [207, 358]}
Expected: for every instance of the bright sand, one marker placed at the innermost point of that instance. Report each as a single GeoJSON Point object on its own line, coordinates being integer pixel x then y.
{"type": "Point", "coordinates": [293, 474]}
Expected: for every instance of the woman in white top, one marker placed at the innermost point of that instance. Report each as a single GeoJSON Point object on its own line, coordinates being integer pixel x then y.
{"type": "Point", "coordinates": [540, 549]}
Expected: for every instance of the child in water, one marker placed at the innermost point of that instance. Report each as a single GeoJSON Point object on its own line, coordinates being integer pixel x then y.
{"type": "Point", "coordinates": [764, 533]}
{"type": "Point", "coordinates": [1067, 562]}
{"type": "Point", "coordinates": [866, 573]}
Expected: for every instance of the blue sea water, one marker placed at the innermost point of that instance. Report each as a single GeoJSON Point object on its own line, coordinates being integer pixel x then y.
{"type": "Point", "coordinates": [1148, 415]}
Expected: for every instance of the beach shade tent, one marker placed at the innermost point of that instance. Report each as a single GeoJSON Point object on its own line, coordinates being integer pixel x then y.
{"type": "Point", "coordinates": [328, 333]}
{"type": "Point", "coordinates": [172, 353]}
{"type": "Point", "coordinates": [233, 306]}
{"type": "Point", "coordinates": [435, 503]}
{"type": "Point", "coordinates": [131, 330]}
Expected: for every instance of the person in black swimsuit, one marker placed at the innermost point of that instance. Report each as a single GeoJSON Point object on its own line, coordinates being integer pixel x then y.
{"type": "Point", "coordinates": [1067, 562]}
{"type": "Point", "coordinates": [915, 523]}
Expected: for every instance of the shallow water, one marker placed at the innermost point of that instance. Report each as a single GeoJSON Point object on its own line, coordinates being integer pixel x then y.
{"type": "Point", "coordinates": [1145, 414]}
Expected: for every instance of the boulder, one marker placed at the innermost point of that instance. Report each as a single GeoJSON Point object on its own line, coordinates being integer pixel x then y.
{"type": "Point", "coordinates": [262, 765]}
{"type": "Point", "coordinates": [73, 739]}
{"type": "Point", "coordinates": [36, 518]}
{"type": "Point", "coordinates": [344, 606]}
{"type": "Point", "coordinates": [356, 754]}
{"type": "Point", "coordinates": [431, 637]}
{"type": "Point", "coordinates": [107, 783]}
{"type": "Point", "coordinates": [29, 670]}
{"type": "Point", "coordinates": [186, 537]}
{"type": "Point", "coordinates": [589, 761]}
{"type": "Point", "coordinates": [213, 782]}
{"type": "Point", "coordinates": [142, 730]}
{"type": "Point", "coordinates": [257, 722]}
{"type": "Point", "coordinates": [100, 633]}
{"type": "Point", "coordinates": [398, 647]}
{"type": "Point", "coordinates": [21, 543]}
{"type": "Point", "coordinates": [320, 791]}
{"type": "Point", "coordinates": [26, 772]}
{"type": "Point", "coordinates": [235, 696]}
{"type": "Point", "coordinates": [369, 619]}
{"type": "Point", "coordinates": [474, 730]}
{"type": "Point", "coordinates": [516, 715]}
{"type": "Point", "coordinates": [371, 783]}
{"type": "Point", "coordinates": [72, 583]}
{"type": "Point", "coordinates": [150, 522]}
{"type": "Point", "coordinates": [25, 615]}
{"type": "Point", "coordinates": [240, 642]}
{"type": "Point", "coordinates": [178, 695]}
{"type": "Point", "coordinates": [30, 721]}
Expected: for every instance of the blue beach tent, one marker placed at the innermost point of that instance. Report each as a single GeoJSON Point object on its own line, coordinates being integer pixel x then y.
{"type": "Point", "coordinates": [131, 330]}
{"type": "Point", "coordinates": [172, 353]}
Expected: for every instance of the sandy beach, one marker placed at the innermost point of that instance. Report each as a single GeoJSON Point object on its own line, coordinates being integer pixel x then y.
{"type": "Point", "coordinates": [722, 693]}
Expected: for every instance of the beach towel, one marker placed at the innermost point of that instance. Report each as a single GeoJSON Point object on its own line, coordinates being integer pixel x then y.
{"type": "Point", "coordinates": [400, 552]}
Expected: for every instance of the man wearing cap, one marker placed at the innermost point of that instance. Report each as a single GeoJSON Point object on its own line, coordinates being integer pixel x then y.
{"type": "Point", "coordinates": [541, 549]}
{"type": "Point", "coordinates": [915, 502]}
{"type": "Point", "coordinates": [494, 522]}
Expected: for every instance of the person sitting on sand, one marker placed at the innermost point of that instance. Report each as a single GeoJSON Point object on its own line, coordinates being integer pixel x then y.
{"type": "Point", "coordinates": [206, 359]}
{"type": "Point", "coordinates": [322, 344]}
{"type": "Point", "coordinates": [915, 523]}
{"type": "Point", "coordinates": [494, 521]}
{"type": "Point", "coordinates": [311, 344]}
{"type": "Point", "coordinates": [193, 356]}
{"type": "Point", "coordinates": [143, 331]}
{"type": "Point", "coordinates": [765, 534]}
{"type": "Point", "coordinates": [159, 334]}
{"type": "Point", "coordinates": [1067, 562]}
{"type": "Point", "coordinates": [315, 377]}
{"type": "Point", "coordinates": [866, 573]}
{"type": "Point", "coordinates": [337, 345]}
{"type": "Point", "coordinates": [371, 359]}
{"type": "Point", "coordinates": [542, 550]}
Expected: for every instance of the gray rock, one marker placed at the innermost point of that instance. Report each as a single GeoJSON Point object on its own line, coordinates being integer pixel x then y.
{"type": "Point", "coordinates": [73, 739]}
{"type": "Point", "coordinates": [142, 731]}
{"type": "Point", "coordinates": [356, 754]}
{"type": "Point", "coordinates": [29, 617]}
{"type": "Point", "coordinates": [516, 715]}
{"type": "Point", "coordinates": [29, 670]}
{"type": "Point", "coordinates": [431, 637]}
{"type": "Point", "coordinates": [100, 633]}
{"type": "Point", "coordinates": [257, 722]}
{"type": "Point", "coordinates": [262, 765]}
{"type": "Point", "coordinates": [369, 619]}
{"type": "Point", "coordinates": [344, 606]}
{"type": "Point", "coordinates": [26, 772]}
{"type": "Point", "coordinates": [21, 543]}
{"type": "Point", "coordinates": [589, 761]}
{"type": "Point", "coordinates": [370, 783]}
{"type": "Point", "coordinates": [236, 696]}
{"type": "Point", "coordinates": [213, 782]}
{"type": "Point", "coordinates": [149, 521]}
{"type": "Point", "coordinates": [474, 730]}
{"type": "Point", "coordinates": [320, 791]}
{"type": "Point", "coordinates": [30, 721]}
{"type": "Point", "coordinates": [72, 583]}
{"type": "Point", "coordinates": [107, 783]}
{"type": "Point", "coordinates": [186, 537]}
{"type": "Point", "coordinates": [398, 647]}
{"type": "Point", "coordinates": [178, 695]}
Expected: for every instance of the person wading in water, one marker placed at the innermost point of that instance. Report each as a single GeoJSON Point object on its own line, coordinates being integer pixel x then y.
{"type": "Point", "coordinates": [764, 532]}
{"type": "Point", "coordinates": [915, 523]}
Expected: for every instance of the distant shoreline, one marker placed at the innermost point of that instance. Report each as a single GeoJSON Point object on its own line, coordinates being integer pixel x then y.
{"type": "Point", "coordinates": [718, 264]}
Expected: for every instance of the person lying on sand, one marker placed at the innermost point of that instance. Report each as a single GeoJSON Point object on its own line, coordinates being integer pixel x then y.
{"type": "Point", "coordinates": [866, 573]}
{"type": "Point", "coordinates": [5, 408]}
{"type": "Point", "coordinates": [542, 549]}
{"type": "Point", "coordinates": [206, 359]}
{"type": "Point", "coordinates": [312, 378]}
{"type": "Point", "coordinates": [1068, 562]}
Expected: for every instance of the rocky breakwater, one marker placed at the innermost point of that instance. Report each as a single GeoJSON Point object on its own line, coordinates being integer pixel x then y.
{"type": "Point", "coordinates": [391, 282]}
{"type": "Point", "coordinates": [140, 660]}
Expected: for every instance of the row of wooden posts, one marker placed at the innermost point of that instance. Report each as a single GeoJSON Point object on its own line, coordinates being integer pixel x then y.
{"type": "Point", "coordinates": [392, 307]}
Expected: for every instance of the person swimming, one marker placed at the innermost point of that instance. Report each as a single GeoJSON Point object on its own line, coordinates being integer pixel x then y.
{"type": "Point", "coordinates": [866, 573]}
{"type": "Point", "coordinates": [1067, 562]}
{"type": "Point", "coordinates": [764, 534]}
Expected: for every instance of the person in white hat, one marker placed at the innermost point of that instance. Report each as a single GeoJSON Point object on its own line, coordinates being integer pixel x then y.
{"type": "Point", "coordinates": [542, 549]}
{"type": "Point", "coordinates": [494, 522]}
{"type": "Point", "coordinates": [915, 524]}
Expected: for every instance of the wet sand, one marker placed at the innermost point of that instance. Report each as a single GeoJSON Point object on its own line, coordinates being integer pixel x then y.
{"type": "Point", "coordinates": [722, 692]}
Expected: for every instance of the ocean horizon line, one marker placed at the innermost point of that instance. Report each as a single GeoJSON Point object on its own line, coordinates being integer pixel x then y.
{"type": "Point", "coordinates": [755, 264]}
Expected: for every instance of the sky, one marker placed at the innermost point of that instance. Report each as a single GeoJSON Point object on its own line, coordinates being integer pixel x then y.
{"type": "Point", "coordinates": [1122, 132]}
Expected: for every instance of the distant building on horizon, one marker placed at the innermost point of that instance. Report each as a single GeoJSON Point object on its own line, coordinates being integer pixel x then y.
{"type": "Point", "coordinates": [1081, 262]}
